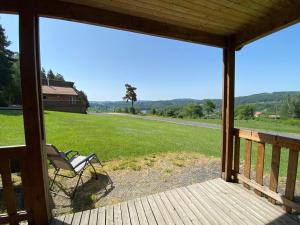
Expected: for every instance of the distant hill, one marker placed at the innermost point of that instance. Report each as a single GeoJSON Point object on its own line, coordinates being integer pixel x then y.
{"type": "Point", "coordinates": [262, 100]}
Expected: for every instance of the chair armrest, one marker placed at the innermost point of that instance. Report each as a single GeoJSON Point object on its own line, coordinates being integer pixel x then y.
{"type": "Point", "coordinates": [73, 152]}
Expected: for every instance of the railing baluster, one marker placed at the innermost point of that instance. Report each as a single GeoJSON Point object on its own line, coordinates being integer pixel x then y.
{"type": "Point", "coordinates": [247, 163]}
{"type": "Point", "coordinates": [260, 165]}
{"type": "Point", "coordinates": [236, 167]}
{"type": "Point", "coordinates": [291, 176]}
{"type": "Point", "coordinates": [8, 190]}
{"type": "Point", "coordinates": [276, 150]}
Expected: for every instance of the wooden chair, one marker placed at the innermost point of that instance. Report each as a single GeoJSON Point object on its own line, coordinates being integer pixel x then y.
{"type": "Point", "coordinates": [74, 162]}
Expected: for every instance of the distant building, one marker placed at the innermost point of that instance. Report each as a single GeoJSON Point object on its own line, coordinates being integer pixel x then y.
{"type": "Point", "coordinates": [258, 114]}
{"type": "Point", "coordinates": [61, 96]}
{"type": "Point", "coordinates": [274, 116]}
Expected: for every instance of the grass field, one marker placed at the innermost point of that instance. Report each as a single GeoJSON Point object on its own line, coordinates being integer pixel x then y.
{"type": "Point", "coordinates": [113, 137]}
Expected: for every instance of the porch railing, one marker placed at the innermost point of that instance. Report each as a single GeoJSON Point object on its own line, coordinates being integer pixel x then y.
{"type": "Point", "coordinates": [278, 144]}
{"type": "Point", "coordinates": [12, 160]}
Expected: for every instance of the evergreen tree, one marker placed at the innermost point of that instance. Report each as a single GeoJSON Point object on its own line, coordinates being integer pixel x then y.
{"type": "Point", "coordinates": [59, 77]}
{"type": "Point", "coordinates": [43, 74]}
{"type": "Point", "coordinates": [51, 75]}
{"type": "Point", "coordinates": [130, 96]}
{"type": "Point", "coordinates": [6, 62]}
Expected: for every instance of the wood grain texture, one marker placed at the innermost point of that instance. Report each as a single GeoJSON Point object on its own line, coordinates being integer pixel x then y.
{"type": "Point", "coordinates": [291, 176]}
{"type": "Point", "coordinates": [247, 161]}
{"type": "Point", "coordinates": [260, 162]}
{"type": "Point", "coordinates": [230, 74]}
{"type": "Point", "coordinates": [275, 163]}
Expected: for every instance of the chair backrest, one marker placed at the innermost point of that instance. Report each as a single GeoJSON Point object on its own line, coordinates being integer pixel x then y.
{"type": "Point", "coordinates": [56, 158]}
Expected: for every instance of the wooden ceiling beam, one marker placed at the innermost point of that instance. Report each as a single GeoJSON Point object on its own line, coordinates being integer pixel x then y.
{"type": "Point", "coordinates": [281, 19]}
{"type": "Point", "coordinates": [96, 16]}
{"type": "Point", "coordinates": [9, 6]}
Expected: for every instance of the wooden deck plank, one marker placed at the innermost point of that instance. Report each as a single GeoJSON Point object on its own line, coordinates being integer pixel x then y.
{"type": "Point", "coordinates": [243, 211]}
{"type": "Point", "coordinates": [210, 202]}
{"type": "Point", "coordinates": [159, 219]}
{"type": "Point", "coordinates": [132, 212]}
{"type": "Point", "coordinates": [186, 220]}
{"type": "Point", "coordinates": [148, 211]}
{"type": "Point", "coordinates": [193, 218]}
{"type": "Point", "coordinates": [93, 217]}
{"type": "Point", "coordinates": [117, 214]}
{"type": "Point", "coordinates": [191, 200]}
{"type": "Point", "coordinates": [109, 215]}
{"type": "Point", "coordinates": [164, 212]}
{"type": "Point", "coordinates": [77, 218]}
{"type": "Point", "coordinates": [170, 209]}
{"type": "Point", "coordinates": [140, 212]}
{"type": "Point", "coordinates": [101, 216]}
{"type": "Point", "coordinates": [125, 214]}
{"type": "Point", "coordinates": [85, 217]}
{"type": "Point", "coordinates": [223, 204]}
{"type": "Point", "coordinates": [200, 216]}
{"type": "Point", "coordinates": [262, 206]}
{"type": "Point", "coordinates": [212, 206]}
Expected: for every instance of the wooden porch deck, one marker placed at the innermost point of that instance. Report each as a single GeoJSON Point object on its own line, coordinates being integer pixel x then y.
{"type": "Point", "coordinates": [210, 202]}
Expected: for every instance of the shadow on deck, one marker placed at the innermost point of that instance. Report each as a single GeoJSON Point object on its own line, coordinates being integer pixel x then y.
{"type": "Point", "coordinates": [210, 202]}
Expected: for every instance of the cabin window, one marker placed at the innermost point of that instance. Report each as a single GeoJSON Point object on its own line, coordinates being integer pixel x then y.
{"type": "Point", "coordinates": [72, 100]}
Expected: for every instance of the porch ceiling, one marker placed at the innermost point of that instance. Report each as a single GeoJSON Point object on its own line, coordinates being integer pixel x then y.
{"type": "Point", "coordinates": [243, 20]}
{"type": "Point", "coordinates": [221, 23]}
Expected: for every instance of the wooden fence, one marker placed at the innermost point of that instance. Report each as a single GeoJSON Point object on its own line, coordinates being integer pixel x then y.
{"type": "Point", "coordinates": [278, 143]}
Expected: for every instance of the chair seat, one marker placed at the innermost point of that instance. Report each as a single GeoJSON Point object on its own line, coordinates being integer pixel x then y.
{"type": "Point", "coordinates": [75, 161]}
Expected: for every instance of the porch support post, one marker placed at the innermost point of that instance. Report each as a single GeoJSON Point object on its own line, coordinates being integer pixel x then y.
{"type": "Point", "coordinates": [228, 112]}
{"type": "Point", "coordinates": [36, 161]}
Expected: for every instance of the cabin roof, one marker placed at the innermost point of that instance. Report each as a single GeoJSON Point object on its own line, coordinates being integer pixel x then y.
{"type": "Point", "coordinates": [54, 90]}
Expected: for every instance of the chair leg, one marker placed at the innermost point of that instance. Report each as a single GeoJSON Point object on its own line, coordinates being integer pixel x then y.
{"type": "Point", "coordinates": [75, 189]}
{"type": "Point", "coordinates": [55, 174]}
{"type": "Point", "coordinates": [96, 176]}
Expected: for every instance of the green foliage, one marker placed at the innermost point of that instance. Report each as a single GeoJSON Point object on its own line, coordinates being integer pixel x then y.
{"type": "Point", "coordinates": [209, 107]}
{"type": "Point", "coordinates": [83, 97]}
{"type": "Point", "coordinates": [290, 106]}
{"type": "Point", "coordinates": [245, 112]}
{"type": "Point", "coordinates": [51, 75]}
{"type": "Point", "coordinates": [130, 96]}
{"type": "Point", "coordinates": [7, 60]}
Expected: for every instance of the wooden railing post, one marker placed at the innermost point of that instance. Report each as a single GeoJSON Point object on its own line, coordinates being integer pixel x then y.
{"type": "Point", "coordinates": [291, 176]}
{"type": "Point", "coordinates": [274, 174]}
{"type": "Point", "coordinates": [224, 105]}
{"type": "Point", "coordinates": [228, 107]}
{"type": "Point", "coordinates": [32, 112]}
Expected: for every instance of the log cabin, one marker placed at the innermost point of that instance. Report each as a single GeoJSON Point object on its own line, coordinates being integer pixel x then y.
{"type": "Point", "coordinates": [225, 24]}
{"type": "Point", "coordinates": [61, 96]}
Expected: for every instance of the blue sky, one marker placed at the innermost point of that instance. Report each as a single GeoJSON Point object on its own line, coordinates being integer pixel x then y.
{"type": "Point", "coordinates": [102, 60]}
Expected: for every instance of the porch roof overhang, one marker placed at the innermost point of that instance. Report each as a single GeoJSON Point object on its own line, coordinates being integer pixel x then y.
{"type": "Point", "coordinates": [219, 23]}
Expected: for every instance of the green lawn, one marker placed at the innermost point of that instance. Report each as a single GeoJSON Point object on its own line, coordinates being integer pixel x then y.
{"type": "Point", "coordinates": [113, 137]}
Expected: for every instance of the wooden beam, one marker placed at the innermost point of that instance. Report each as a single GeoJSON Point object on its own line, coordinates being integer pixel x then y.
{"type": "Point", "coordinates": [10, 6]}
{"type": "Point", "coordinates": [283, 18]}
{"type": "Point", "coordinates": [224, 105]}
{"type": "Point", "coordinates": [33, 124]}
{"type": "Point", "coordinates": [229, 119]}
{"type": "Point", "coordinates": [97, 16]}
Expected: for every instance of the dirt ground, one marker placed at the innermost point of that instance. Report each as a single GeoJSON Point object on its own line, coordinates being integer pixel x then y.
{"type": "Point", "coordinates": [132, 179]}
